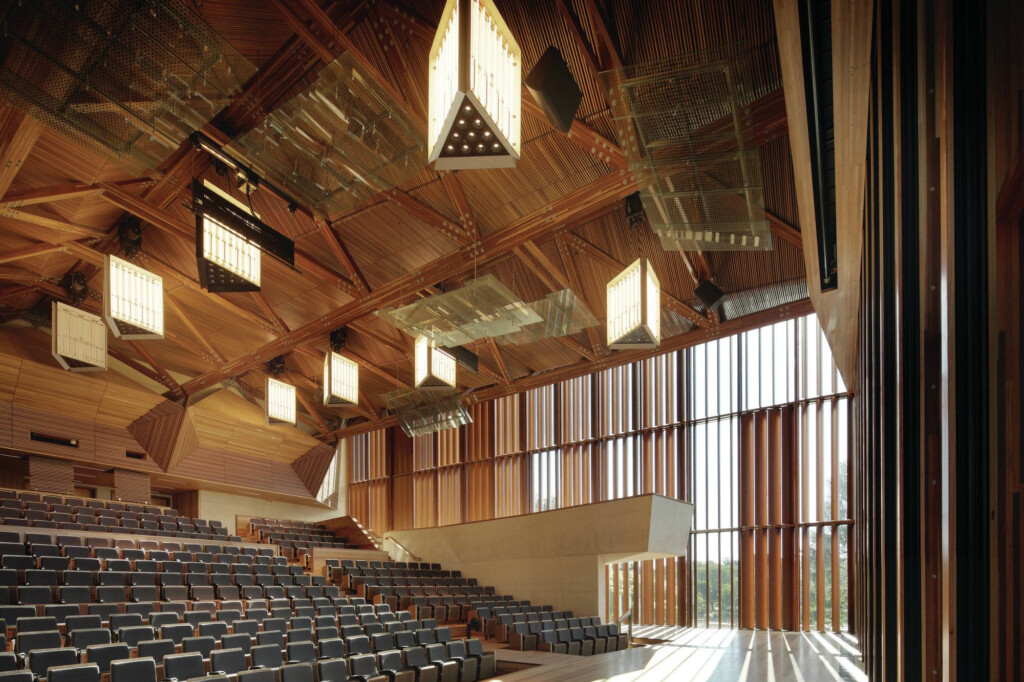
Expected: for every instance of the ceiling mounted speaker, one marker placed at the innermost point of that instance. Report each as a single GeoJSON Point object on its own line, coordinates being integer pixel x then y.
{"type": "Point", "coordinates": [709, 294]}
{"type": "Point", "coordinates": [555, 90]}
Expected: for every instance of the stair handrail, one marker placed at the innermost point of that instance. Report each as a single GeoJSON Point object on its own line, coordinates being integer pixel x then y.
{"type": "Point", "coordinates": [628, 615]}
{"type": "Point", "coordinates": [402, 547]}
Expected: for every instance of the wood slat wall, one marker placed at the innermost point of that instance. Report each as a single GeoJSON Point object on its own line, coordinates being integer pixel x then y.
{"type": "Point", "coordinates": [50, 475]}
{"type": "Point", "coordinates": [131, 486]}
{"type": "Point", "coordinates": [157, 431]}
{"type": "Point", "coordinates": [668, 425]}
{"type": "Point", "coordinates": [312, 466]}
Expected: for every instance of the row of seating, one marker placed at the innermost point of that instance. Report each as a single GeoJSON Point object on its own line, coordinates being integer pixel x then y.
{"type": "Point", "coordinates": [99, 524]}
{"type": "Point", "coordinates": [457, 662]}
{"type": "Point", "coordinates": [40, 646]}
{"type": "Point", "coordinates": [95, 503]}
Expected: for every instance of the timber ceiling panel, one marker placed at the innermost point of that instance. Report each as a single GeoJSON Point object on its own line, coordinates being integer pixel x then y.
{"type": "Point", "coordinates": [555, 220]}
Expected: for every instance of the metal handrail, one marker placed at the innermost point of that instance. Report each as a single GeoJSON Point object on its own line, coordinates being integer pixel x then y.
{"type": "Point", "coordinates": [628, 615]}
{"type": "Point", "coordinates": [403, 548]}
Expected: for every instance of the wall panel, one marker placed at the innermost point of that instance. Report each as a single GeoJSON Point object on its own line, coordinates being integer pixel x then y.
{"type": "Point", "coordinates": [50, 475]}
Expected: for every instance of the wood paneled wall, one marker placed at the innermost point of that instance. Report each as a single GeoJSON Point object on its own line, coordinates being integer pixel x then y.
{"type": "Point", "coordinates": [131, 486]}
{"type": "Point", "coordinates": [50, 475]}
{"type": "Point", "coordinates": [937, 481]}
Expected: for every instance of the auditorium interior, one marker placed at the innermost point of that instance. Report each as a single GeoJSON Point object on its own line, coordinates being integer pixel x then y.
{"type": "Point", "coordinates": [595, 339]}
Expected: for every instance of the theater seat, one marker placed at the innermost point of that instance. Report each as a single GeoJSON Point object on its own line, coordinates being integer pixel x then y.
{"type": "Point", "coordinates": [133, 670]}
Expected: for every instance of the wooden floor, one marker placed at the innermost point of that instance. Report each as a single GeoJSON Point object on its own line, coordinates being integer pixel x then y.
{"type": "Point", "coordinates": [706, 656]}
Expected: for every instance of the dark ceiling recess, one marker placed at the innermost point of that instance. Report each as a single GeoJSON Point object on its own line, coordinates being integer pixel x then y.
{"type": "Point", "coordinates": [816, 43]}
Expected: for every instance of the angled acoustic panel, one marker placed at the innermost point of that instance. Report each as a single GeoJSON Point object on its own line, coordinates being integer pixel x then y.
{"type": "Point", "coordinates": [690, 132]}
{"type": "Point", "coordinates": [129, 80]}
{"type": "Point", "coordinates": [561, 313]}
{"type": "Point", "coordinates": [339, 142]}
{"type": "Point", "coordinates": [423, 412]}
{"type": "Point", "coordinates": [484, 307]}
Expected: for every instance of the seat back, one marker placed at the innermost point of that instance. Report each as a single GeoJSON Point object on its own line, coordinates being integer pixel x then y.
{"type": "Point", "coordinates": [266, 656]}
{"type": "Point", "coordinates": [229, 661]}
{"type": "Point", "coordinates": [104, 655]}
{"type": "Point", "coordinates": [41, 660]}
{"type": "Point", "coordinates": [86, 672]}
{"type": "Point", "coordinates": [156, 649]}
{"type": "Point", "coordinates": [133, 670]}
{"type": "Point", "coordinates": [184, 666]}
{"type": "Point", "coordinates": [364, 665]}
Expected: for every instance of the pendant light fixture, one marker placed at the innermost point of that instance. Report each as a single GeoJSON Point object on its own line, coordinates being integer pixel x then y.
{"type": "Point", "coordinates": [475, 89]}
{"type": "Point", "coordinates": [79, 339]}
{"type": "Point", "coordinates": [341, 375]}
{"type": "Point", "coordinates": [133, 300]}
{"type": "Point", "coordinates": [634, 307]}
{"type": "Point", "coordinates": [434, 367]}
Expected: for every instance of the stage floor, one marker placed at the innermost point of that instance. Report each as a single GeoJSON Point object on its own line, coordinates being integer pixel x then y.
{"type": "Point", "coordinates": [706, 656]}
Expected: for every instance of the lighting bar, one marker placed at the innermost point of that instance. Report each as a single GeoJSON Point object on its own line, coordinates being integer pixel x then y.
{"type": "Point", "coordinates": [475, 98]}
{"type": "Point", "coordinates": [280, 398]}
{"type": "Point", "coordinates": [79, 339]}
{"type": "Point", "coordinates": [341, 380]}
{"type": "Point", "coordinates": [634, 307]}
{"type": "Point", "coordinates": [133, 300]}
{"type": "Point", "coordinates": [434, 367]}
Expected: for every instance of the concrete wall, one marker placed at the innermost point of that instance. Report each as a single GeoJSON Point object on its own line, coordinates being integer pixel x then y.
{"type": "Point", "coordinates": [214, 505]}
{"type": "Point", "coordinates": [224, 507]}
{"type": "Point", "coordinates": [556, 557]}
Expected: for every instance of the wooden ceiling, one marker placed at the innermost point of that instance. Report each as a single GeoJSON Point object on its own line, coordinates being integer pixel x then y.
{"type": "Point", "coordinates": [553, 222]}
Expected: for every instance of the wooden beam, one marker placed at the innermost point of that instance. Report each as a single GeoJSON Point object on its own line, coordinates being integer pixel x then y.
{"type": "Point", "coordinates": [214, 354]}
{"type": "Point", "coordinates": [577, 286]}
{"type": "Point", "coordinates": [453, 186]}
{"type": "Point", "coordinates": [539, 264]}
{"type": "Point", "coordinates": [606, 47]}
{"type": "Point", "coordinates": [321, 425]}
{"type": "Point", "coordinates": [668, 300]}
{"type": "Point", "coordinates": [543, 222]}
{"type": "Point", "coordinates": [428, 216]}
{"type": "Point", "coordinates": [70, 190]}
{"type": "Point", "coordinates": [336, 246]}
{"type": "Point", "coordinates": [131, 362]}
{"type": "Point", "coordinates": [51, 221]}
{"type": "Point", "coordinates": [30, 251]}
{"type": "Point", "coordinates": [374, 334]}
{"type": "Point", "coordinates": [784, 231]}
{"type": "Point", "coordinates": [498, 360]}
{"type": "Point", "coordinates": [579, 37]}
{"type": "Point", "coordinates": [327, 55]}
{"type": "Point", "coordinates": [18, 135]}
{"type": "Point", "coordinates": [367, 411]}
{"type": "Point", "coordinates": [693, 337]}
{"type": "Point", "coordinates": [165, 378]}
{"type": "Point", "coordinates": [582, 135]}
{"type": "Point", "coordinates": [269, 311]}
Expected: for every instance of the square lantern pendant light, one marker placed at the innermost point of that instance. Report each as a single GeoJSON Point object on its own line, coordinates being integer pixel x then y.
{"type": "Point", "coordinates": [281, 408]}
{"type": "Point", "coordinates": [228, 258]}
{"type": "Point", "coordinates": [341, 380]}
{"type": "Point", "coordinates": [79, 339]}
{"type": "Point", "coordinates": [634, 307]}
{"type": "Point", "coordinates": [133, 300]}
{"type": "Point", "coordinates": [434, 367]}
{"type": "Point", "coordinates": [475, 89]}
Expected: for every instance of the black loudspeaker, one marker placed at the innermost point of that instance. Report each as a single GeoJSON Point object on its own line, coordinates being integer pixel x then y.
{"type": "Point", "coordinates": [709, 294]}
{"type": "Point", "coordinates": [555, 90]}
